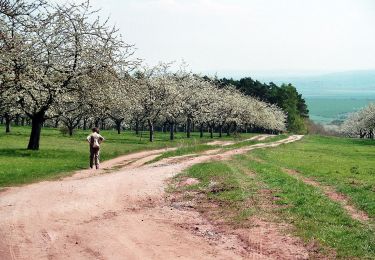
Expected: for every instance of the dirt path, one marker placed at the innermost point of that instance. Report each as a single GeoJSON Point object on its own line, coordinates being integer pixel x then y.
{"type": "Point", "coordinates": [254, 138]}
{"type": "Point", "coordinates": [121, 215]}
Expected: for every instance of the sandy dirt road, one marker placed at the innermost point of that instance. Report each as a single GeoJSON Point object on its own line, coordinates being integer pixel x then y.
{"type": "Point", "coordinates": [120, 214]}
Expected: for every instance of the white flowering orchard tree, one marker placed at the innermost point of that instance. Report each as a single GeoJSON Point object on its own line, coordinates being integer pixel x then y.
{"type": "Point", "coordinates": [231, 101]}
{"type": "Point", "coordinates": [119, 103]}
{"type": "Point", "coordinates": [70, 109]}
{"type": "Point", "coordinates": [8, 110]}
{"type": "Point", "coordinates": [150, 93]}
{"type": "Point", "coordinates": [13, 18]}
{"type": "Point", "coordinates": [198, 99]}
{"type": "Point", "coordinates": [215, 101]}
{"type": "Point", "coordinates": [360, 124]}
{"type": "Point", "coordinates": [54, 47]}
{"type": "Point", "coordinates": [277, 119]}
{"type": "Point", "coordinates": [137, 114]}
{"type": "Point", "coordinates": [175, 98]}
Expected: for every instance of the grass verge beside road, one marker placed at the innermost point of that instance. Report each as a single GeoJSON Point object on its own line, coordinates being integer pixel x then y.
{"type": "Point", "coordinates": [255, 185]}
{"type": "Point", "coordinates": [346, 164]}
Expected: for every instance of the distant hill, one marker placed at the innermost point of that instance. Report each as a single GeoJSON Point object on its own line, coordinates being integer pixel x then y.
{"type": "Point", "coordinates": [339, 84]}
{"type": "Point", "coordinates": [329, 96]}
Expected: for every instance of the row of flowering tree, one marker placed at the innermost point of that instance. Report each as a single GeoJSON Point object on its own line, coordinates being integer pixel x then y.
{"type": "Point", "coordinates": [58, 63]}
{"type": "Point", "coordinates": [157, 96]}
{"type": "Point", "coordinates": [361, 124]}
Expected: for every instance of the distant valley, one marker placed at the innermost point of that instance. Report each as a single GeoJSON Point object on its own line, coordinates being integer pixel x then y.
{"type": "Point", "coordinates": [332, 96]}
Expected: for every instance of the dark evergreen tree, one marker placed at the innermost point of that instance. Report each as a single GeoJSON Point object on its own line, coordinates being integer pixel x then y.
{"type": "Point", "coordinates": [285, 96]}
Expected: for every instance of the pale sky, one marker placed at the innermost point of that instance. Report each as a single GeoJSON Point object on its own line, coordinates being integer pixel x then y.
{"type": "Point", "coordinates": [249, 35]}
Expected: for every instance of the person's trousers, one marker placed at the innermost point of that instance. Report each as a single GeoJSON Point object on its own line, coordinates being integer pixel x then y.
{"type": "Point", "coordinates": [94, 157]}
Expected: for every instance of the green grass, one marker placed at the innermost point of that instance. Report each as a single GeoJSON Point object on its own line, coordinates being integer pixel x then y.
{"type": "Point", "coordinates": [345, 164]}
{"type": "Point", "coordinates": [316, 217]}
{"type": "Point", "coordinates": [223, 184]}
{"type": "Point", "coordinates": [59, 155]}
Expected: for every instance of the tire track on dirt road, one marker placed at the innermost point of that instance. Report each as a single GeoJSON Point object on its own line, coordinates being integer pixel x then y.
{"type": "Point", "coordinates": [122, 215]}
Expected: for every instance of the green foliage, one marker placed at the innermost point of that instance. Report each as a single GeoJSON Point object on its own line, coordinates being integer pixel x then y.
{"type": "Point", "coordinates": [286, 97]}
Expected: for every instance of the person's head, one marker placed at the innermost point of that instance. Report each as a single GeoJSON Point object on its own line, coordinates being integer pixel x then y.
{"type": "Point", "coordinates": [95, 130]}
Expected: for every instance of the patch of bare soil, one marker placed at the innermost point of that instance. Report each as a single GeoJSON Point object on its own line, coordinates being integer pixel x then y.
{"type": "Point", "coordinates": [212, 151]}
{"type": "Point", "coordinates": [5, 253]}
{"type": "Point", "coordinates": [122, 215]}
{"type": "Point", "coordinates": [222, 143]}
{"type": "Point", "coordinates": [188, 182]}
{"type": "Point", "coordinates": [257, 239]}
{"type": "Point", "coordinates": [259, 137]}
{"type": "Point", "coordinates": [271, 240]}
{"type": "Point", "coordinates": [333, 195]}
{"type": "Point", "coordinates": [254, 138]}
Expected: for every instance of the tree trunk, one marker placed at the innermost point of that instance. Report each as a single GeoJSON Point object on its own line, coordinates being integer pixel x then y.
{"type": "Point", "coordinates": [151, 128]}
{"type": "Point", "coordinates": [171, 131]}
{"type": "Point", "coordinates": [118, 126]}
{"type": "Point", "coordinates": [22, 121]}
{"type": "Point", "coordinates": [188, 127]}
{"type": "Point", "coordinates": [85, 124]}
{"type": "Point", "coordinates": [36, 127]}
{"type": "Point", "coordinates": [17, 120]}
{"type": "Point", "coordinates": [57, 123]}
{"type": "Point", "coordinates": [211, 131]}
{"type": "Point", "coordinates": [228, 130]}
{"type": "Point", "coordinates": [220, 131]}
{"type": "Point", "coordinates": [362, 134]}
{"type": "Point", "coordinates": [97, 122]}
{"type": "Point", "coordinates": [137, 127]}
{"type": "Point", "coordinates": [201, 131]}
{"type": "Point", "coordinates": [7, 123]}
{"type": "Point", "coordinates": [70, 128]}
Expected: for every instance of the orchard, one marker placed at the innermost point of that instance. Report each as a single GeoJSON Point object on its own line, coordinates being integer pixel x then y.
{"type": "Point", "coordinates": [61, 66]}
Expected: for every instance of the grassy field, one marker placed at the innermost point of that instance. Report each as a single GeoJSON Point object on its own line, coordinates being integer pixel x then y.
{"type": "Point", "coordinates": [238, 188]}
{"type": "Point", "coordinates": [59, 154]}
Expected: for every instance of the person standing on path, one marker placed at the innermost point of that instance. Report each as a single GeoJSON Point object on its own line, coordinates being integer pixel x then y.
{"type": "Point", "coordinates": [95, 139]}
